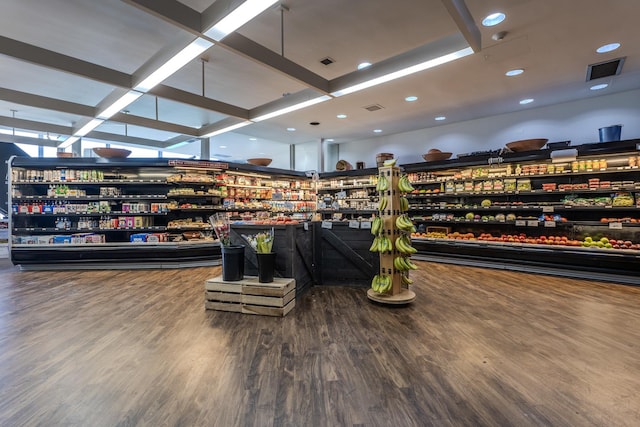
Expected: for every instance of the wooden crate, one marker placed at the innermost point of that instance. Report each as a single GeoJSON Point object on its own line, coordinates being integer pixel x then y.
{"type": "Point", "coordinates": [249, 296]}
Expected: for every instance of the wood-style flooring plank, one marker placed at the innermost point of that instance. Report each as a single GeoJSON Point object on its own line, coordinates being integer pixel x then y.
{"type": "Point", "coordinates": [478, 347]}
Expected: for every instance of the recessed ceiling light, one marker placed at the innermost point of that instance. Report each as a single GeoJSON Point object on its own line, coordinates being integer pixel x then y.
{"type": "Point", "coordinates": [514, 72]}
{"type": "Point", "coordinates": [526, 101]}
{"type": "Point", "coordinates": [411, 98]}
{"type": "Point", "coordinates": [608, 47]}
{"type": "Point", "coordinates": [253, 139]}
{"type": "Point", "coordinates": [291, 129]}
{"type": "Point", "coordinates": [493, 19]}
{"type": "Point", "coordinates": [341, 116]}
{"type": "Point", "coordinates": [440, 118]}
{"type": "Point", "coordinates": [329, 139]}
{"type": "Point", "coordinates": [363, 65]}
{"type": "Point", "coordinates": [377, 130]}
{"type": "Point", "coordinates": [600, 86]}
{"type": "Point", "coordinates": [223, 146]}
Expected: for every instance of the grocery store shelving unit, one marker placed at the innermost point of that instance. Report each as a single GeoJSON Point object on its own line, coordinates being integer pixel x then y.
{"type": "Point", "coordinates": [124, 213]}
{"type": "Point", "coordinates": [512, 206]}
{"type": "Point", "coordinates": [349, 195]}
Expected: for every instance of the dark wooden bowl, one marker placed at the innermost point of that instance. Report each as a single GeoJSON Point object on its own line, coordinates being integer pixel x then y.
{"type": "Point", "coordinates": [434, 156]}
{"type": "Point", "coordinates": [112, 153]}
{"type": "Point", "coordinates": [260, 161]}
{"type": "Point", "coordinates": [527, 144]}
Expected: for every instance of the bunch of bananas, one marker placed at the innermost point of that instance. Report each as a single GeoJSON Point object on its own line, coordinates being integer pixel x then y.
{"type": "Point", "coordinates": [381, 244]}
{"type": "Point", "coordinates": [402, 263]}
{"type": "Point", "coordinates": [404, 185]}
{"type": "Point", "coordinates": [381, 283]}
{"type": "Point", "coordinates": [390, 162]}
{"type": "Point", "coordinates": [383, 183]}
{"type": "Point", "coordinates": [376, 225]}
{"type": "Point", "coordinates": [403, 244]}
{"type": "Point", "coordinates": [384, 201]}
{"type": "Point", "coordinates": [404, 223]}
{"type": "Point", "coordinates": [404, 204]}
{"type": "Point", "coordinates": [405, 279]}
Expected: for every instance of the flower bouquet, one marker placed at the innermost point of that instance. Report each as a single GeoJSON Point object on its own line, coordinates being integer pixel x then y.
{"type": "Point", "coordinates": [262, 242]}
{"type": "Point", "coordinates": [222, 227]}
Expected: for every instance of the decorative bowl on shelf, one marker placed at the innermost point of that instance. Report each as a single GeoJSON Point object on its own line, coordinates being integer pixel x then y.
{"type": "Point", "coordinates": [260, 161]}
{"type": "Point", "coordinates": [434, 155]}
{"type": "Point", "coordinates": [527, 144]}
{"type": "Point", "coordinates": [343, 165]}
{"type": "Point", "coordinates": [111, 153]}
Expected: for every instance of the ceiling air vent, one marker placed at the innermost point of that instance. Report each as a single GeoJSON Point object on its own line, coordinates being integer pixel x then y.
{"type": "Point", "coordinates": [327, 61]}
{"type": "Point", "coordinates": [374, 107]}
{"type": "Point", "coordinates": [605, 69]}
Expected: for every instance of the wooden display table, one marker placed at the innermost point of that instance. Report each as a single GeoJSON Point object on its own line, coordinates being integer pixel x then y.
{"type": "Point", "coordinates": [249, 296]}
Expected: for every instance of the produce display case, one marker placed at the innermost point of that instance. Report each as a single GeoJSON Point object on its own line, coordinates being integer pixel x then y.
{"type": "Point", "coordinates": [577, 216]}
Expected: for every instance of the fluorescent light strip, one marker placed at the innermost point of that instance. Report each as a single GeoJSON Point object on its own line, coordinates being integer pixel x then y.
{"type": "Point", "coordinates": [226, 129]}
{"type": "Point", "coordinates": [236, 19]}
{"type": "Point", "coordinates": [405, 72]}
{"type": "Point", "coordinates": [118, 105]}
{"type": "Point", "coordinates": [94, 123]}
{"type": "Point", "coordinates": [67, 142]}
{"type": "Point", "coordinates": [179, 60]}
{"type": "Point", "coordinates": [178, 144]}
{"type": "Point", "coordinates": [291, 108]}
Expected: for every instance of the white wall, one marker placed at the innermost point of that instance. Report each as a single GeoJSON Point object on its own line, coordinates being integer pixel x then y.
{"type": "Point", "coordinates": [577, 121]}
{"type": "Point", "coordinates": [307, 156]}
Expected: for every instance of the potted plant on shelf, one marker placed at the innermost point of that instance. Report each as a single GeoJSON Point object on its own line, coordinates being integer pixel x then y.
{"type": "Point", "coordinates": [262, 243]}
{"type": "Point", "coordinates": [232, 255]}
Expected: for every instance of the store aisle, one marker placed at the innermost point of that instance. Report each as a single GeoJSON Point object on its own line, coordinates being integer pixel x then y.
{"type": "Point", "coordinates": [478, 347]}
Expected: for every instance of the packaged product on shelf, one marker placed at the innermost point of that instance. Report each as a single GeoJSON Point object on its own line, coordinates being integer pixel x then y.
{"type": "Point", "coordinates": [523, 184]}
{"type": "Point", "coordinates": [623, 199]}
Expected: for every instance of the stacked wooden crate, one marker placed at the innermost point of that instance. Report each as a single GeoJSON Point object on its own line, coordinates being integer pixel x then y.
{"type": "Point", "coordinates": [249, 296]}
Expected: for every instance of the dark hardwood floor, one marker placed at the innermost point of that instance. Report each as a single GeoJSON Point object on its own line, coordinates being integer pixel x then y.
{"type": "Point", "coordinates": [477, 348]}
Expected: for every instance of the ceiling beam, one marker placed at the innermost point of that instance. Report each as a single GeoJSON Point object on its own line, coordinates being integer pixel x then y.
{"type": "Point", "coordinates": [46, 103]}
{"type": "Point", "coordinates": [171, 11]}
{"type": "Point", "coordinates": [260, 54]}
{"type": "Point", "coordinates": [31, 125]}
{"type": "Point", "coordinates": [146, 122]}
{"type": "Point", "coordinates": [463, 19]}
{"type": "Point", "coordinates": [16, 139]}
{"type": "Point", "coordinates": [195, 100]}
{"type": "Point", "coordinates": [115, 137]}
{"type": "Point", "coordinates": [47, 58]}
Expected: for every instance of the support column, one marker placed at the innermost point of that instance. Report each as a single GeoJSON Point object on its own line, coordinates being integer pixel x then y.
{"type": "Point", "coordinates": [321, 145]}
{"type": "Point", "coordinates": [205, 149]}
{"type": "Point", "coordinates": [292, 157]}
{"type": "Point", "coordinates": [76, 148]}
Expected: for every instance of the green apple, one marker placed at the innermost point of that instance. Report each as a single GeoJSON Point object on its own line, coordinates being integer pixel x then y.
{"type": "Point", "coordinates": [604, 240]}
{"type": "Point", "coordinates": [588, 239]}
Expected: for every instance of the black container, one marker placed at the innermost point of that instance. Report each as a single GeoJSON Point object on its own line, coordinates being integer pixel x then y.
{"type": "Point", "coordinates": [232, 263]}
{"type": "Point", "coordinates": [266, 266]}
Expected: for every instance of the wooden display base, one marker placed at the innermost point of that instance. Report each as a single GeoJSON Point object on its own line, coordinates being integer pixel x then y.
{"type": "Point", "coordinates": [404, 297]}
{"type": "Point", "coordinates": [249, 296]}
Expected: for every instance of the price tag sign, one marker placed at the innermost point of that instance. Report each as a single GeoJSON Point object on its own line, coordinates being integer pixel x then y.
{"type": "Point", "coordinates": [615, 225]}
{"type": "Point", "coordinates": [327, 224]}
{"type": "Point", "coordinates": [365, 225]}
{"type": "Point", "coordinates": [521, 223]}
{"type": "Point", "coordinates": [550, 224]}
{"type": "Point", "coordinates": [354, 224]}
{"type": "Point", "coordinates": [532, 223]}
{"type": "Point", "coordinates": [306, 226]}
{"type": "Point", "coordinates": [547, 209]}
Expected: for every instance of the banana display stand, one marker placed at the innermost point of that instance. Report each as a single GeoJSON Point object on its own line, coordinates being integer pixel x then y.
{"type": "Point", "coordinates": [392, 241]}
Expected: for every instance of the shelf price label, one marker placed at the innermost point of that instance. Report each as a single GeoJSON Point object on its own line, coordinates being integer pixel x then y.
{"type": "Point", "coordinates": [365, 225]}
{"type": "Point", "coordinates": [521, 223]}
{"type": "Point", "coordinates": [550, 224]}
{"type": "Point", "coordinates": [532, 223]}
{"type": "Point", "coordinates": [354, 224]}
{"type": "Point", "coordinates": [615, 225]}
{"type": "Point", "coordinates": [327, 224]}
{"type": "Point", "coordinates": [547, 209]}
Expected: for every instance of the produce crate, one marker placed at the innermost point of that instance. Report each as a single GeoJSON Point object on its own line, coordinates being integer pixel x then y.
{"type": "Point", "coordinates": [248, 296]}
{"type": "Point", "coordinates": [445, 230]}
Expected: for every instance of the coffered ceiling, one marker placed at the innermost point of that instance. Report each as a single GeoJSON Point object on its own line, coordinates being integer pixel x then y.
{"type": "Point", "coordinates": [61, 61]}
